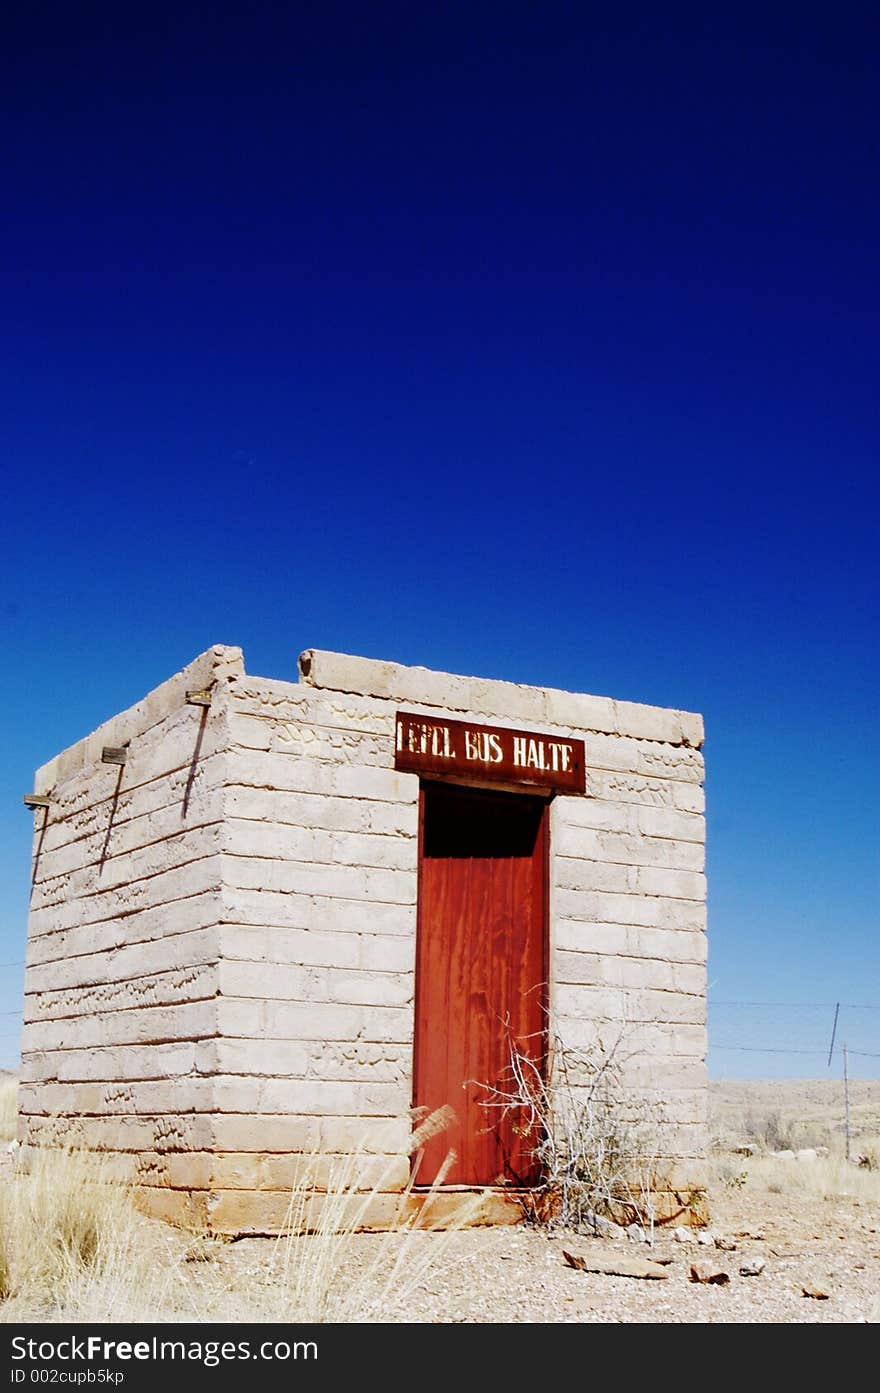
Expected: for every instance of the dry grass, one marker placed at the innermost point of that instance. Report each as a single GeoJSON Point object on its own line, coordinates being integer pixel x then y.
{"type": "Point", "coordinates": [8, 1108]}
{"type": "Point", "coordinates": [74, 1247]}
{"type": "Point", "coordinates": [829, 1177]}
{"type": "Point", "coordinates": [309, 1275]}
{"type": "Point", "coordinates": [72, 1243]}
{"type": "Point", "coordinates": [789, 1115]}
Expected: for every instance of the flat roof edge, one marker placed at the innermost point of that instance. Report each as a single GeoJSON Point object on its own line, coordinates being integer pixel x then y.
{"type": "Point", "coordinates": [344, 672]}
{"type": "Point", "coordinates": [214, 664]}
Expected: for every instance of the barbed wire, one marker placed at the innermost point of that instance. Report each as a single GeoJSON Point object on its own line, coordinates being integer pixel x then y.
{"type": "Point", "coordinates": [807, 1024]}
{"type": "Point", "coordinates": [799, 1005]}
{"type": "Point", "coordinates": [827, 1031]}
{"type": "Point", "coordinates": [770, 1049]}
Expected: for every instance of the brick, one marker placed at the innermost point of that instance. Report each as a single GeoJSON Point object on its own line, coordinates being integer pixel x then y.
{"type": "Point", "coordinates": [124, 1062]}
{"type": "Point", "coordinates": [151, 1097]}
{"type": "Point", "coordinates": [293, 982]}
{"type": "Point", "coordinates": [309, 1133]}
{"type": "Point", "coordinates": [286, 843]}
{"type": "Point", "coordinates": [620, 848]}
{"type": "Point", "coordinates": [119, 964]}
{"type": "Point", "coordinates": [323, 1097]}
{"type": "Point", "coordinates": [625, 787]}
{"type": "Point", "coordinates": [648, 1005]}
{"type": "Point", "coordinates": [339, 913]}
{"type": "Point", "coordinates": [689, 798]}
{"type": "Point", "coordinates": [182, 984]}
{"type": "Point", "coordinates": [599, 969]}
{"type": "Point", "coordinates": [187, 1209]}
{"type": "Point", "coordinates": [193, 1132]}
{"type": "Point", "coordinates": [648, 722]}
{"type": "Point", "coordinates": [394, 819]}
{"type": "Point", "coordinates": [246, 1132]}
{"type": "Point", "coordinates": [573, 873]}
{"type": "Point", "coordinates": [277, 909]}
{"type": "Point", "coordinates": [663, 1040]}
{"type": "Point", "coordinates": [161, 921]}
{"type": "Point", "coordinates": [676, 884]}
{"type": "Point", "coordinates": [692, 730]}
{"type": "Point", "coordinates": [387, 953]}
{"type": "Point", "coordinates": [650, 912]}
{"type": "Point", "coordinates": [631, 941]}
{"type": "Point", "coordinates": [671, 1080]}
{"type": "Point", "coordinates": [255, 1171]}
{"type": "Point", "coordinates": [600, 814]}
{"type": "Point", "coordinates": [136, 1026]}
{"type": "Point", "coordinates": [280, 945]}
{"type": "Point", "coordinates": [302, 809]}
{"type": "Point", "coordinates": [292, 1020]}
{"type": "Point", "coordinates": [579, 712]}
{"type": "Point", "coordinates": [316, 1059]}
{"type": "Point", "coordinates": [179, 882]}
{"type": "Point", "coordinates": [304, 878]}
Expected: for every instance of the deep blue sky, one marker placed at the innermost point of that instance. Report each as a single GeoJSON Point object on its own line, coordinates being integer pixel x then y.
{"type": "Point", "coordinates": [537, 342]}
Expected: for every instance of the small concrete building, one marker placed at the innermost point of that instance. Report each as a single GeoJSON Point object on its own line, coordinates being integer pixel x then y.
{"type": "Point", "coordinates": [275, 920]}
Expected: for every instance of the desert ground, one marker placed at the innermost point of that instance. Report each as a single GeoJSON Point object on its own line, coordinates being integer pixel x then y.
{"type": "Point", "coordinates": [807, 1229]}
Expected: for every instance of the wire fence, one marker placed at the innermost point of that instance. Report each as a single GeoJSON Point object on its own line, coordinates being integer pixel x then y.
{"type": "Point", "coordinates": [747, 1039]}
{"type": "Point", "coordinates": [757, 1039]}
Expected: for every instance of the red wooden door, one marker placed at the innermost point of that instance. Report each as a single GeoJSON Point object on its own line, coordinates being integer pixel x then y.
{"type": "Point", "coordinates": [480, 973]}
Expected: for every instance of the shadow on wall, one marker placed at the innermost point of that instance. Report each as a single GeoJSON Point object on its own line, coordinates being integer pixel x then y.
{"type": "Point", "coordinates": [114, 803]}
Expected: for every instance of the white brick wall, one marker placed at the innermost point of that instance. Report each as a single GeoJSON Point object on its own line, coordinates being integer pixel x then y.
{"type": "Point", "coordinates": [222, 938]}
{"type": "Point", "coordinates": [120, 1014]}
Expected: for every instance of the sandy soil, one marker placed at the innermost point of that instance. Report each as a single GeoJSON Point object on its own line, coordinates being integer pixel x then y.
{"type": "Point", "coordinates": [520, 1275]}
{"type": "Point", "coordinates": [770, 1209]}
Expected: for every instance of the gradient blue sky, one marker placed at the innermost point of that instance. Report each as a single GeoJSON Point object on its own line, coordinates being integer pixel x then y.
{"type": "Point", "coordinates": [539, 342]}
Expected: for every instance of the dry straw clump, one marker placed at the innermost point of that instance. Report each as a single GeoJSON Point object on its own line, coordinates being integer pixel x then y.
{"type": "Point", "coordinates": [8, 1109]}
{"type": "Point", "coordinates": [74, 1247]}
{"type": "Point", "coordinates": [311, 1275]}
{"type": "Point", "coordinates": [71, 1241]}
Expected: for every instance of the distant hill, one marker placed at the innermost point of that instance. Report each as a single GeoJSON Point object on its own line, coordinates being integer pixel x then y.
{"type": "Point", "coordinates": [792, 1112]}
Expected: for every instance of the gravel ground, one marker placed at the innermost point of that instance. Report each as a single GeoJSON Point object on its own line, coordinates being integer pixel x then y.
{"type": "Point", "coordinates": [508, 1275]}
{"type": "Point", "coordinates": [519, 1275]}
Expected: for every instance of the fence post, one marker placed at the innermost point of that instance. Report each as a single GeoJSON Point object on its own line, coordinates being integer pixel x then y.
{"type": "Point", "coordinates": [846, 1096]}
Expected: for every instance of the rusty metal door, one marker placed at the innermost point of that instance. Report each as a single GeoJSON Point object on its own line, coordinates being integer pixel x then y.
{"type": "Point", "coordinates": [481, 972]}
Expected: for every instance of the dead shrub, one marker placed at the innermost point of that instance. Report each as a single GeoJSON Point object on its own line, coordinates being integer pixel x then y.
{"type": "Point", "coordinates": [596, 1138]}
{"type": "Point", "coordinates": [774, 1130]}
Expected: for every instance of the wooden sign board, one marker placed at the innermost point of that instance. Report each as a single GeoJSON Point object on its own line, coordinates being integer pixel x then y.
{"type": "Point", "coordinates": [492, 754]}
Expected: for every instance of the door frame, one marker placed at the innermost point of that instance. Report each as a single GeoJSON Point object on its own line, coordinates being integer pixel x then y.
{"type": "Point", "coordinates": [546, 985]}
